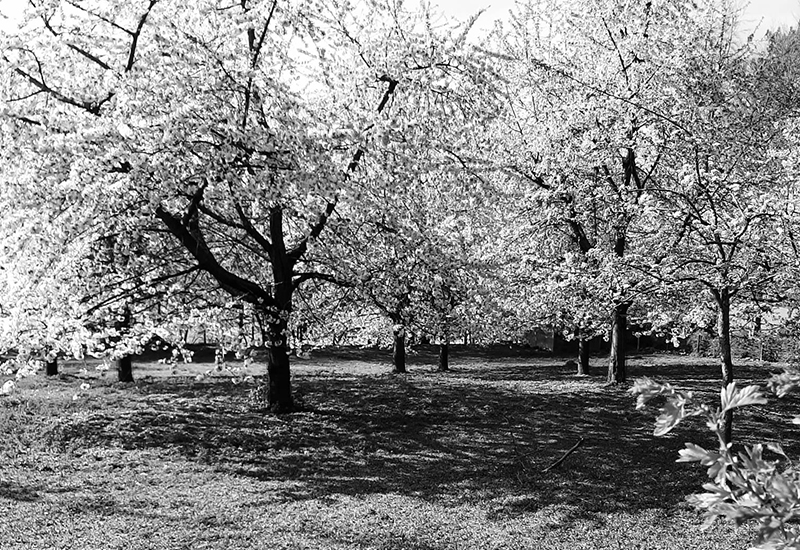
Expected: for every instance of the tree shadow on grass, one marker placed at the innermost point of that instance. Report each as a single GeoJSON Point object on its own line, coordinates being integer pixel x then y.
{"type": "Point", "coordinates": [19, 492]}
{"type": "Point", "coordinates": [474, 434]}
{"type": "Point", "coordinates": [25, 491]}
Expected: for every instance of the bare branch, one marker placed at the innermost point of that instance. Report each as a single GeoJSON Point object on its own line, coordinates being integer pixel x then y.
{"type": "Point", "coordinates": [130, 293]}
{"type": "Point", "coordinates": [300, 278]}
{"type": "Point", "coordinates": [535, 179]}
{"type": "Point", "coordinates": [98, 16]}
{"type": "Point", "coordinates": [563, 458]}
{"type": "Point", "coordinates": [619, 54]}
{"type": "Point", "coordinates": [91, 107]}
{"type": "Point", "coordinates": [297, 252]}
{"type": "Point", "coordinates": [251, 230]}
{"type": "Point", "coordinates": [135, 35]}
{"type": "Point", "coordinates": [579, 235]}
{"type": "Point", "coordinates": [88, 55]}
{"type": "Point", "coordinates": [255, 50]}
{"type": "Point", "coordinates": [230, 282]}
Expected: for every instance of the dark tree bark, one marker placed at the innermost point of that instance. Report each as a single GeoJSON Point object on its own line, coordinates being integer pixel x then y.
{"type": "Point", "coordinates": [279, 382]}
{"type": "Point", "coordinates": [125, 369]}
{"type": "Point", "coordinates": [617, 369]}
{"type": "Point", "coordinates": [444, 356]}
{"type": "Point", "coordinates": [723, 298]}
{"type": "Point", "coordinates": [279, 394]}
{"type": "Point", "coordinates": [124, 364]}
{"type": "Point", "coordinates": [697, 341]}
{"type": "Point", "coordinates": [399, 350]}
{"type": "Point", "coordinates": [583, 357]}
{"type": "Point", "coordinates": [51, 367]}
{"type": "Point", "coordinates": [283, 262]}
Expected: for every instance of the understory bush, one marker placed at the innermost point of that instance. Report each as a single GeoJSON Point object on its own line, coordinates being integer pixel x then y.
{"type": "Point", "coordinates": [743, 485]}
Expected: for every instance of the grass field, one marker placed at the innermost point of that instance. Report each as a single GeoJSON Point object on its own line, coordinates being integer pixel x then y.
{"type": "Point", "coordinates": [423, 461]}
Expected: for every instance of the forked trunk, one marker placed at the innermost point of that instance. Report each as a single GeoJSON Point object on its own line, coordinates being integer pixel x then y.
{"type": "Point", "coordinates": [726, 359]}
{"type": "Point", "coordinates": [583, 357]}
{"type": "Point", "coordinates": [444, 356]}
{"type": "Point", "coordinates": [617, 370]}
{"type": "Point", "coordinates": [399, 350]}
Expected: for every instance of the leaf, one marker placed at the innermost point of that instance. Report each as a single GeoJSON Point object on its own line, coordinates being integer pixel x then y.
{"type": "Point", "coordinates": [124, 130]}
{"type": "Point", "coordinates": [781, 488]}
{"type": "Point", "coordinates": [726, 395]}
{"type": "Point", "coordinates": [732, 398]}
{"type": "Point", "coordinates": [777, 448]}
{"type": "Point", "coordinates": [784, 383]}
{"type": "Point", "coordinates": [692, 453]}
{"type": "Point", "coordinates": [671, 415]}
{"type": "Point", "coordinates": [646, 389]}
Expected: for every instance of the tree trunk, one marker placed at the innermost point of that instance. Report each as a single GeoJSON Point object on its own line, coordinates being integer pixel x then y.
{"type": "Point", "coordinates": [51, 366]}
{"type": "Point", "coordinates": [444, 356]}
{"type": "Point", "coordinates": [279, 395]}
{"type": "Point", "coordinates": [125, 369]}
{"type": "Point", "coordinates": [726, 358]}
{"type": "Point", "coordinates": [617, 371]}
{"type": "Point", "coordinates": [274, 333]}
{"type": "Point", "coordinates": [583, 357]}
{"type": "Point", "coordinates": [124, 364]}
{"type": "Point", "coordinates": [399, 349]}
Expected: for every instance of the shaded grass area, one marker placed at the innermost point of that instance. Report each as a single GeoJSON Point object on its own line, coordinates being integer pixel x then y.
{"type": "Point", "coordinates": [373, 461]}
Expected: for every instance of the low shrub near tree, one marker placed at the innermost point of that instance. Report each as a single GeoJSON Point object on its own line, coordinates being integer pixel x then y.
{"type": "Point", "coordinates": [745, 485]}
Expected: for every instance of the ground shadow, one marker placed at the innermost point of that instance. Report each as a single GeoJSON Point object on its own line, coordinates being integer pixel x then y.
{"type": "Point", "coordinates": [480, 432]}
{"type": "Point", "coordinates": [20, 492]}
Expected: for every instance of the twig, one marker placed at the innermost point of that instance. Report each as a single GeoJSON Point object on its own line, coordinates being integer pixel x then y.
{"type": "Point", "coordinates": [563, 458]}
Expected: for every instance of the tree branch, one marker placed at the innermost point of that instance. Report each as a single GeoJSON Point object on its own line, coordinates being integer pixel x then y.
{"type": "Point", "coordinates": [135, 35]}
{"type": "Point", "coordinates": [307, 276]}
{"type": "Point", "coordinates": [88, 55]}
{"type": "Point", "coordinates": [233, 284]}
{"type": "Point", "coordinates": [579, 235]}
{"type": "Point", "coordinates": [563, 458]}
{"type": "Point", "coordinates": [98, 16]}
{"type": "Point", "coordinates": [251, 230]}
{"type": "Point", "coordinates": [130, 293]}
{"type": "Point", "coordinates": [297, 252]}
{"type": "Point", "coordinates": [89, 106]}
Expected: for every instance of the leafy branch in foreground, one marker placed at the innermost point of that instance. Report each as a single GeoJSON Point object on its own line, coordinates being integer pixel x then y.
{"type": "Point", "coordinates": [744, 486]}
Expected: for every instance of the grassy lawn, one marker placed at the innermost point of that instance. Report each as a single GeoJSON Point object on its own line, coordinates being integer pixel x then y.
{"type": "Point", "coordinates": [424, 461]}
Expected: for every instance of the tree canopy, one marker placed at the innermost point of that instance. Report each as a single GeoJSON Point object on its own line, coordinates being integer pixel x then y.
{"type": "Point", "coordinates": [166, 165]}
